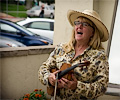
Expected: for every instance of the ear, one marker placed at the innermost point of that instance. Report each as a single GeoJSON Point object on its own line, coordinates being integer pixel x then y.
{"type": "Point", "coordinates": [92, 34]}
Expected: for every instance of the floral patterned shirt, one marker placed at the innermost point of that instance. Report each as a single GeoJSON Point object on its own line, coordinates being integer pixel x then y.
{"type": "Point", "coordinates": [92, 80]}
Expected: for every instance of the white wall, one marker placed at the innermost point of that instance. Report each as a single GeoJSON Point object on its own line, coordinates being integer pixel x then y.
{"type": "Point", "coordinates": [62, 30]}
{"type": "Point", "coordinates": [105, 9]}
{"type": "Point", "coordinates": [114, 56]}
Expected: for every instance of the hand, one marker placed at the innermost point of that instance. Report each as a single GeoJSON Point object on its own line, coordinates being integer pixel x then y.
{"type": "Point", "coordinates": [60, 84]}
{"type": "Point", "coordinates": [52, 77]}
{"type": "Point", "coordinates": [64, 83]}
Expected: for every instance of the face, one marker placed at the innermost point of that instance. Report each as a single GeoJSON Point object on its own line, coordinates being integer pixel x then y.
{"type": "Point", "coordinates": [83, 30]}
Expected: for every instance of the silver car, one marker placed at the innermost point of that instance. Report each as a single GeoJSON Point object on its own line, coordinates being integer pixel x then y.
{"type": "Point", "coordinates": [35, 11]}
{"type": "Point", "coordinates": [7, 42]}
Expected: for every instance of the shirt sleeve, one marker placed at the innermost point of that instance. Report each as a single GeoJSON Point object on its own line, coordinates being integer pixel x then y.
{"type": "Point", "coordinates": [99, 84]}
{"type": "Point", "coordinates": [44, 70]}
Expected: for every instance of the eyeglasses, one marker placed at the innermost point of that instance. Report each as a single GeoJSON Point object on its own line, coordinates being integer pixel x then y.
{"type": "Point", "coordinates": [84, 24]}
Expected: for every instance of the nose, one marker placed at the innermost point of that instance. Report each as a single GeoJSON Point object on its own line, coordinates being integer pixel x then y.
{"type": "Point", "coordinates": [80, 26]}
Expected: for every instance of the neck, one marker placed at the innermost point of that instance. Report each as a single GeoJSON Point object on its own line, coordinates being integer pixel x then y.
{"type": "Point", "coordinates": [79, 49]}
{"type": "Point", "coordinates": [81, 46]}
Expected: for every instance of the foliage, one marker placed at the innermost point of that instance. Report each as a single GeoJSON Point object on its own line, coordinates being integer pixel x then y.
{"type": "Point", "coordinates": [14, 10]}
{"type": "Point", "coordinates": [35, 95]}
{"type": "Point", "coordinates": [47, 1]}
{"type": "Point", "coordinates": [12, 7]}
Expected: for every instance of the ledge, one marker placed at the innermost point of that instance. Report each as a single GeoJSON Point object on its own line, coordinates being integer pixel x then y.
{"type": "Point", "coordinates": [24, 51]}
{"type": "Point", "coordinates": [113, 89]}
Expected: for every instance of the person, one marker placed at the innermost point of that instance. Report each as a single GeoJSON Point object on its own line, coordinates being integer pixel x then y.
{"type": "Point", "coordinates": [42, 12]}
{"type": "Point", "coordinates": [88, 82]}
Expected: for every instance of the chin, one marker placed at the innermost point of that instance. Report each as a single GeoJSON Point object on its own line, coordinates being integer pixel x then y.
{"type": "Point", "coordinates": [78, 39]}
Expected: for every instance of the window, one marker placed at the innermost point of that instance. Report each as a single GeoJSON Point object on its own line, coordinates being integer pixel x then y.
{"type": "Point", "coordinates": [40, 25]}
{"type": "Point", "coordinates": [8, 29]}
{"type": "Point", "coordinates": [114, 56]}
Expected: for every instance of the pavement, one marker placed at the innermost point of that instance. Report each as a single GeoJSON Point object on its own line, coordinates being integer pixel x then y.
{"type": "Point", "coordinates": [9, 17]}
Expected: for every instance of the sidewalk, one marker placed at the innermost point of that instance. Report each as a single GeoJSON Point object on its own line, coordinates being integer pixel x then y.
{"type": "Point", "coordinates": [9, 17]}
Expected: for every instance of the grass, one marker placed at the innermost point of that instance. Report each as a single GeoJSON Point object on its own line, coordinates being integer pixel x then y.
{"type": "Point", "coordinates": [13, 7]}
{"type": "Point", "coordinates": [21, 15]}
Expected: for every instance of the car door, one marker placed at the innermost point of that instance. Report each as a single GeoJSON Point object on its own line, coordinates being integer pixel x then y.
{"type": "Point", "coordinates": [41, 28]}
{"type": "Point", "coordinates": [46, 11]}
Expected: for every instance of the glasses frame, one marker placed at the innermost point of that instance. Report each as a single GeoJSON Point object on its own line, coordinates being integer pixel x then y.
{"type": "Point", "coordinates": [84, 24]}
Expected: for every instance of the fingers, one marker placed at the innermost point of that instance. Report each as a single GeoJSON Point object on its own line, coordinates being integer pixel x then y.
{"type": "Point", "coordinates": [65, 86]}
{"type": "Point", "coordinates": [65, 83]}
{"type": "Point", "coordinates": [52, 77]}
{"type": "Point", "coordinates": [69, 84]}
{"type": "Point", "coordinates": [52, 83]}
{"type": "Point", "coordinates": [65, 80]}
{"type": "Point", "coordinates": [60, 85]}
{"type": "Point", "coordinates": [56, 72]}
{"type": "Point", "coordinates": [74, 78]}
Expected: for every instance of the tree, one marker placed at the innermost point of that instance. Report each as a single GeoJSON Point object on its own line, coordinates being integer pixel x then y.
{"type": "Point", "coordinates": [29, 4]}
{"type": "Point", "coordinates": [47, 1]}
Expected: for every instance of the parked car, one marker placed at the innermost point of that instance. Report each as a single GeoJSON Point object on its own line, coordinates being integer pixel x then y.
{"type": "Point", "coordinates": [35, 11]}
{"type": "Point", "coordinates": [7, 42]}
{"type": "Point", "coordinates": [40, 26]}
{"type": "Point", "coordinates": [21, 34]}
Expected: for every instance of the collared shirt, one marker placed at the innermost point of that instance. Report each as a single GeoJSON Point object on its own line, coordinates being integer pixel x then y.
{"type": "Point", "coordinates": [92, 80]}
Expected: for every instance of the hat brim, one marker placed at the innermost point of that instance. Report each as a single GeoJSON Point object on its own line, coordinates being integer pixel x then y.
{"type": "Point", "coordinates": [73, 15]}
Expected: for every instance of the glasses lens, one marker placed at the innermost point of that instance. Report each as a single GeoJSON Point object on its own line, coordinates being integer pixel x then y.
{"type": "Point", "coordinates": [85, 24]}
{"type": "Point", "coordinates": [77, 23]}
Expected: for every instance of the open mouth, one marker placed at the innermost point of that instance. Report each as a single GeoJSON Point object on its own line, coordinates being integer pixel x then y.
{"type": "Point", "coordinates": [79, 33]}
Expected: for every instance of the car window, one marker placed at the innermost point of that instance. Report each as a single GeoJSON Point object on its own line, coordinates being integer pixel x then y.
{"type": "Point", "coordinates": [8, 28]}
{"type": "Point", "coordinates": [46, 8]}
{"type": "Point", "coordinates": [36, 8]}
{"type": "Point", "coordinates": [52, 26]}
{"type": "Point", "coordinates": [40, 25]}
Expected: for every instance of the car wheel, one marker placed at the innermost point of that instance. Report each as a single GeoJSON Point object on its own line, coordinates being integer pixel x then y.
{"type": "Point", "coordinates": [51, 16]}
{"type": "Point", "coordinates": [29, 16]}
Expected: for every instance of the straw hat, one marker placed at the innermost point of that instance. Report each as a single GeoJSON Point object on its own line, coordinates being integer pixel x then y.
{"type": "Point", "coordinates": [94, 17]}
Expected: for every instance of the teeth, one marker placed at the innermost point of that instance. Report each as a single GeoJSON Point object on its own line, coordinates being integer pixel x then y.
{"type": "Point", "coordinates": [79, 33]}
